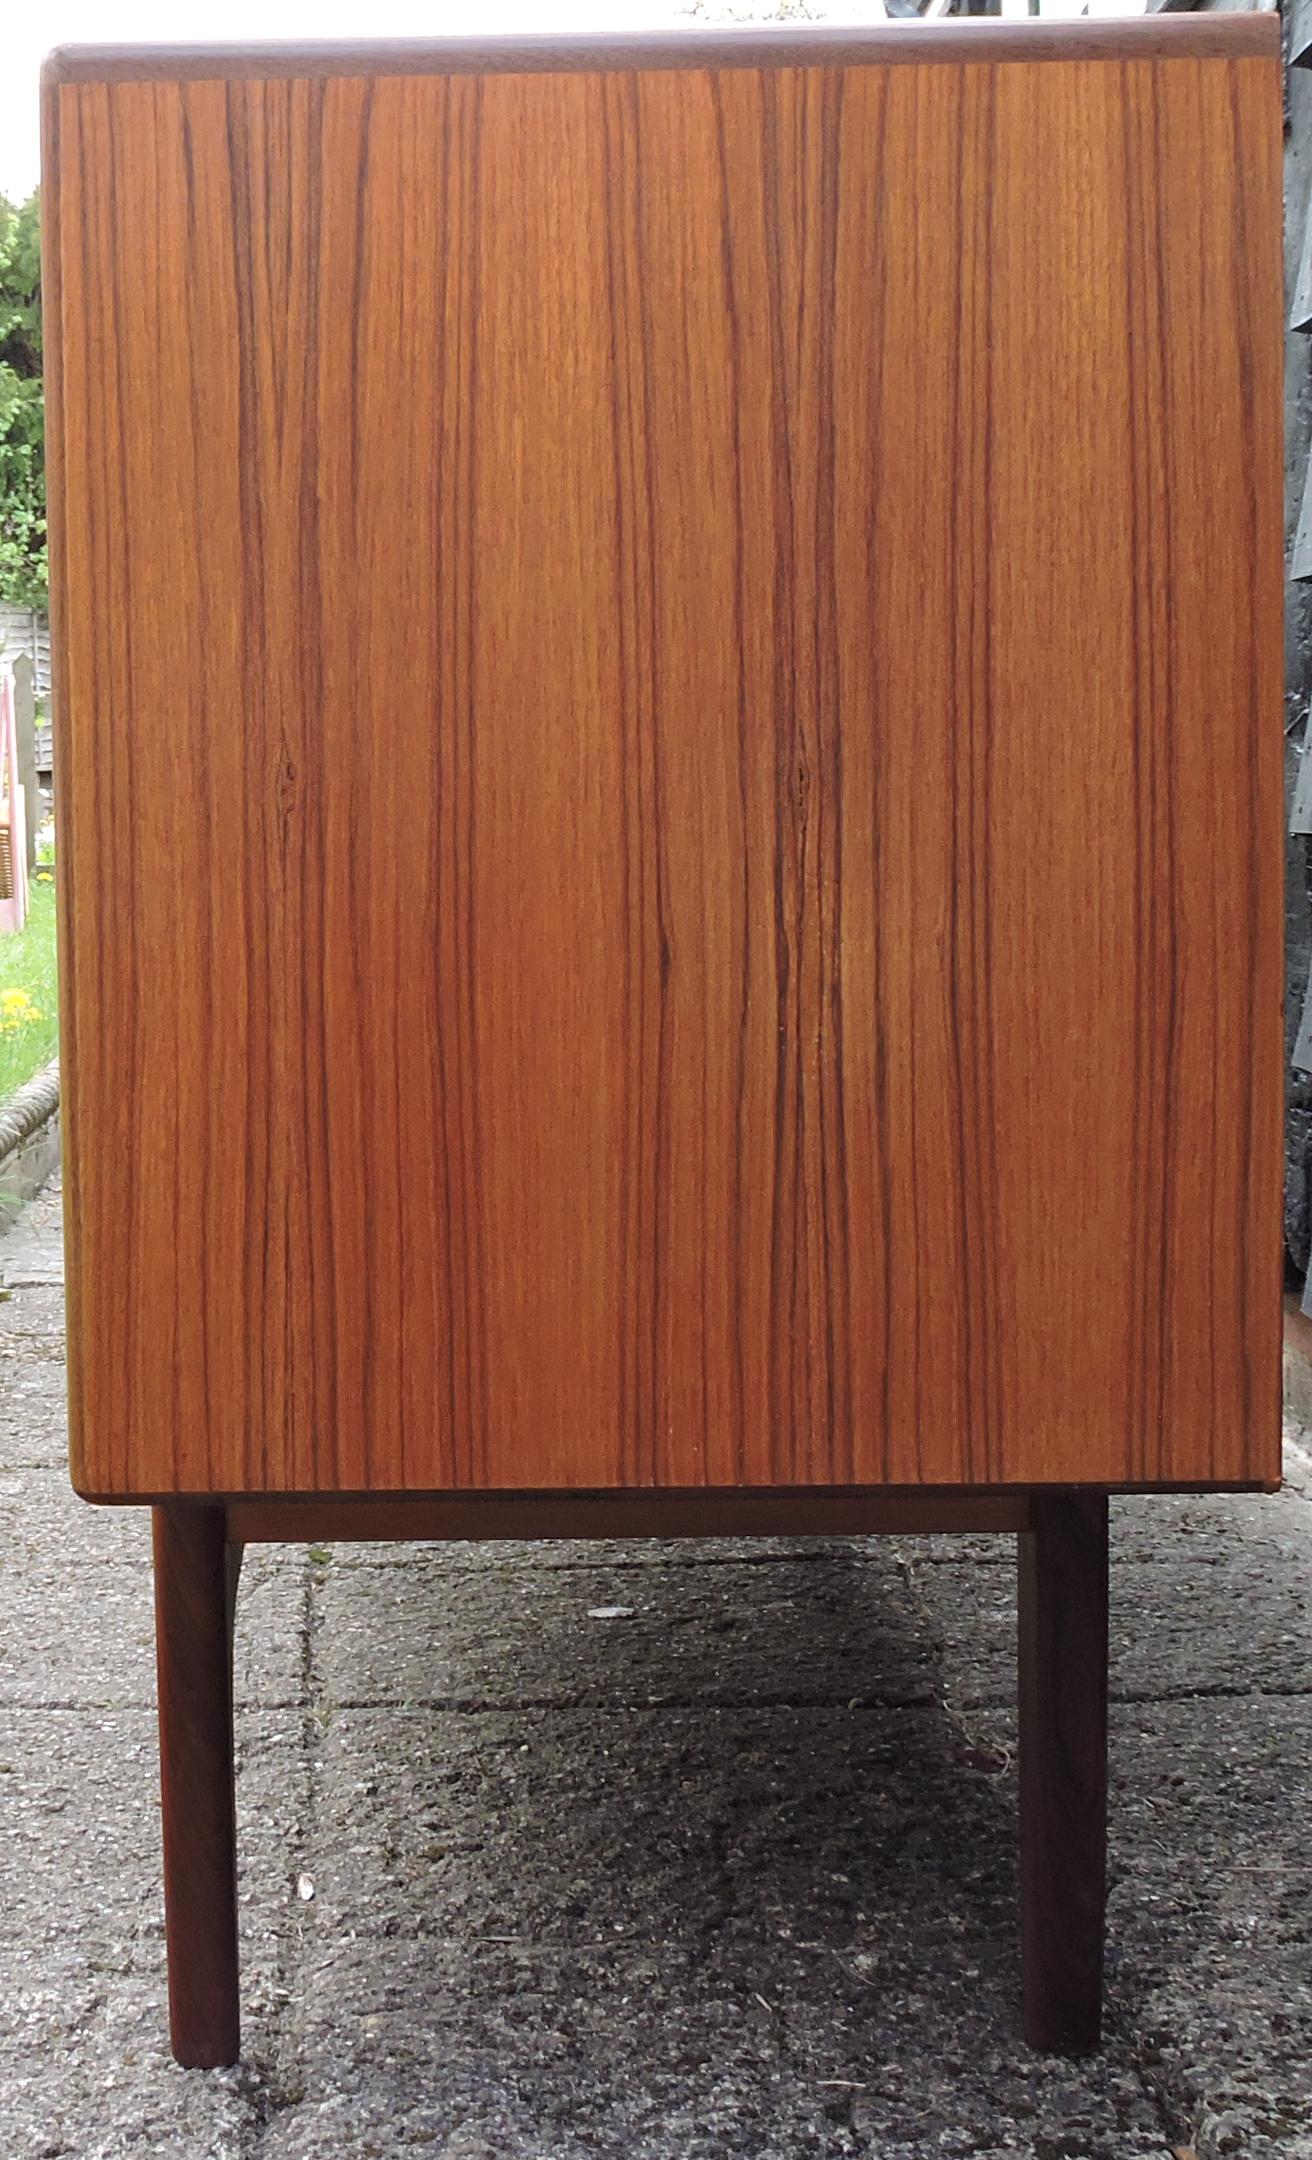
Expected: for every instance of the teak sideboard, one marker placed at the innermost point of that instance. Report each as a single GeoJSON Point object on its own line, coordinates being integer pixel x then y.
{"type": "Point", "coordinates": [669, 748]}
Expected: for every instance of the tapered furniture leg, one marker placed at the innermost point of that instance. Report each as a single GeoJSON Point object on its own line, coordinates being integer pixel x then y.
{"type": "Point", "coordinates": [1063, 1768]}
{"type": "Point", "coordinates": [195, 1588]}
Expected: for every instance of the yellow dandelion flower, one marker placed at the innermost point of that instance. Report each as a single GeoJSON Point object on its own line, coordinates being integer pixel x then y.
{"type": "Point", "coordinates": [17, 1011]}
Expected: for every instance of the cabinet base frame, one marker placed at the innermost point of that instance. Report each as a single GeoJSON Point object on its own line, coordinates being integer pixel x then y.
{"type": "Point", "coordinates": [1062, 1639]}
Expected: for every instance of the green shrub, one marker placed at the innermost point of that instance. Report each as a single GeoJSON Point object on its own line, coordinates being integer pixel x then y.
{"type": "Point", "coordinates": [22, 409]}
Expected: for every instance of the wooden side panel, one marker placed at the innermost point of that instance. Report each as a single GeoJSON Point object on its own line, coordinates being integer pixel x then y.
{"type": "Point", "coordinates": [669, 776]}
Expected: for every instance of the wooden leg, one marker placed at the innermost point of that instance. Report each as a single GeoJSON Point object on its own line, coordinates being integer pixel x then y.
{"type": "Point", "coordinates": [1063, 1769]}
{"type": "Point", "coordinates": [195, 1589]}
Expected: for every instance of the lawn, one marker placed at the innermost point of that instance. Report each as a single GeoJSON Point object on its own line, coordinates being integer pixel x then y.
{"type": "Point", "coordinates": [29, 1016]}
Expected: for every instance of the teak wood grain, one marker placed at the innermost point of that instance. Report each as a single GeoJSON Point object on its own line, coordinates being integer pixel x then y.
{"type": "Point", "coordinates": [669, 735]}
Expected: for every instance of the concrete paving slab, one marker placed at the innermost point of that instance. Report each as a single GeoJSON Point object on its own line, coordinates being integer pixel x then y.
{"type": "Point", "coordinates": [84, 2066]}
{"type": "Point", "coordinates": [31, 1322]}
{"type": "Point", "coordinates": [269, 1636]}
{"type": "Point", "coordinates": [1193, 1783]}
{"type": "Point", "coordinates": [567, 1826]}
{"type": "Point", "coordinates": [628, 2051]}
{"type": "Point", "coordinates": [33, 1245]}
{"type": "Point", "coordinates": [41, 1517]}
{"type": "Point", "coordinates": [1258, 1630]}
{"type": "Point", "coordinates": [1230, 2060]}
{"type": "Point", "coordinates": [796, 1632]}
{"type": "Point", "coordinates": [88, 1634]}
{"type": "Point", "coordinates": [85, 2078]}
{"type": "Point", "coordinates": [78, 1875]}
{"type": "Point", "coordinates": [33, 1417]}
{"type": "Point", "coordinates": [73, 1878]}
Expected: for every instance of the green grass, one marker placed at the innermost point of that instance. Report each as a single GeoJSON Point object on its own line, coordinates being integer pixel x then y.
{"type": "Point", "coordinates": [27, 963]}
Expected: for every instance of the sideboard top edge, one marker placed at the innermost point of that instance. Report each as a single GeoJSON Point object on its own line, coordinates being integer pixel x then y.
{"type": "Point", "coordinates": [1156, 37]}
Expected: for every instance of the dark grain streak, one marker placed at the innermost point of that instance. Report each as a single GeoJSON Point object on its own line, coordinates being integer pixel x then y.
{"type": "Point", "coordinates": [204, 763]}
{"type": "Point", "coordinates": [1165, 870]}
{"type": "Point", "coordinates": [746, 961]}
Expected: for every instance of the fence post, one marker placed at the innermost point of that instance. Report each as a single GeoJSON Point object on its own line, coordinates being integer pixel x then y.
{"type": "Point", "coordinates": [25, 723]}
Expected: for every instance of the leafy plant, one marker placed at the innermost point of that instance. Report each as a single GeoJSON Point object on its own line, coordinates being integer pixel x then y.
{"type": "Point", "coordinates": [22, 408]}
